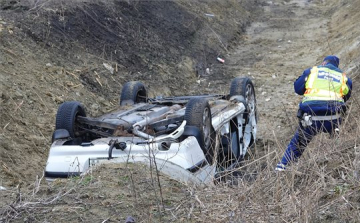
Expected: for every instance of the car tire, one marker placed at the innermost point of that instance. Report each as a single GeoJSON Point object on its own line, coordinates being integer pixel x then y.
{"type": "Point", "coordinates": [66, 117]}
{"type": "Point", "coordinates": [133, 92]}
{"type": "Point", "coordinates": [243, 86]}
{"type": "Point", "coordinates": [198, 114]}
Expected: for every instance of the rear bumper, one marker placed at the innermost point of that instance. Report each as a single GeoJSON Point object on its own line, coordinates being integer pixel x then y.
{"type": "Point", "coordinates": [182, 161]}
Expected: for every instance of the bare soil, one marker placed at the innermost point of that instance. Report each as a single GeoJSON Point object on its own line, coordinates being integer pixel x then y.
{"type": "Point", "coordinates": [57, 51]}
{"type": "Point", "coordinates": [53, 51]}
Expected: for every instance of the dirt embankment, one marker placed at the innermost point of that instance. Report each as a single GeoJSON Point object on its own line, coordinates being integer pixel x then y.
{"type": "Point", "coordinates": [53, 51]}
{"type": "Point", "coordinates": [56, 52]}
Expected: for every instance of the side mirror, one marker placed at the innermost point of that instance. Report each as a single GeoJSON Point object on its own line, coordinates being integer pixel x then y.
{"type": "Point", "coordinates": [60, 134]}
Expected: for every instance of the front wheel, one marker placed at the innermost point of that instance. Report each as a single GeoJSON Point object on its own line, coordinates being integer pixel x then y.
{"type": "Point", "coordinates": [66, 117]}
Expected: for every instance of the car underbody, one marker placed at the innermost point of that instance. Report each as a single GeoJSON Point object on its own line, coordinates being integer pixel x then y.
{"type": "Point", "coordinates": [189, 138]}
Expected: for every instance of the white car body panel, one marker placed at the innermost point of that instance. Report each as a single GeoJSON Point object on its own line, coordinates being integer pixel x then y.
{"type": "Point", "coordinates": [183, 161]}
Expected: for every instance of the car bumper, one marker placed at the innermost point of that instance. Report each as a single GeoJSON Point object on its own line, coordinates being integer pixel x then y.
{"type": "Point", "coordinates": [184, 161]}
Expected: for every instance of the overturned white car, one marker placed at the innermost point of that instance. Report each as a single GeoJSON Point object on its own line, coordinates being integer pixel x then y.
{"type": "Point", "coordinates": [189, 138]}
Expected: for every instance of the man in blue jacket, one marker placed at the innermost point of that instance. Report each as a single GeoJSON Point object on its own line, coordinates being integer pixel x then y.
{"type": "Point", "coordinates": [326, 89]}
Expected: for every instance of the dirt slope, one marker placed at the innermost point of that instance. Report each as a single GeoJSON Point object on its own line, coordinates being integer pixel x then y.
{"type": "Point", "coordinates": [55, 51]}
{"type": "Point", "coordinates": [61, 58]}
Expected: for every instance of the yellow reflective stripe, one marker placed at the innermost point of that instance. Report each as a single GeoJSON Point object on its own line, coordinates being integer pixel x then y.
{"type": "Point", "coordinates": [322, 93]}
{"type": "Point", "coordinates": [325, 93]}
{"type": "Point", "coordinates": [315, 98]}
{"type": "Point", "coordinates": [312, 77]}
{"type": "Point", "coordinates": [344, 88]}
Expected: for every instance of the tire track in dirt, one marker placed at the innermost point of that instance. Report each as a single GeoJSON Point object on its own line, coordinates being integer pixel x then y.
{"type": "Point", "coordinates": [288, 38]}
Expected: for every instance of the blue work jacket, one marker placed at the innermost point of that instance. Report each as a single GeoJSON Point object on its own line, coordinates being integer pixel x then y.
{"type": "Point", "coordinates": [320, 107]}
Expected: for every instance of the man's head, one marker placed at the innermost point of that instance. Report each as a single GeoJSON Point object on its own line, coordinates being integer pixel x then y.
{"type": "Point", "coordinates": [334, 60]}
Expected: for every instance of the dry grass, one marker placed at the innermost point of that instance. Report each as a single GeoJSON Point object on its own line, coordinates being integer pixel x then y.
{"type": "Point", "coordinates": [322, 187]}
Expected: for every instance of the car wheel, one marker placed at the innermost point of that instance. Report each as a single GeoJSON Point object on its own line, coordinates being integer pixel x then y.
{"type": "Point", "coordinates": [133, 92]}
{"type": "Point", "coordinates": [66, 117]}
{"type": "Point", "coordinates": [244, 87]}
{"type": "Point", "coordinates": [198, 114]}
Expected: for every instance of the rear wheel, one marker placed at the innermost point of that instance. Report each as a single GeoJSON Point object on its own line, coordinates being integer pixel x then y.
{"type": "Point", "coordinates": [198, 114]}
{"type": "Point", "coordinates": [66, 117]}
{"type": "Point", "coordinates": [243, 86]}
{"type": "Point", "coordinates": [133, 92]}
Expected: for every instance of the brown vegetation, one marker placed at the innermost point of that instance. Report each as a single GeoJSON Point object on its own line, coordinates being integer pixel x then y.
{"type": "Point", "coordinates": [52, 51]}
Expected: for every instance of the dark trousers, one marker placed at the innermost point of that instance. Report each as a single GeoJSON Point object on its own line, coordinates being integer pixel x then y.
{"type": "Point", "coordinates": [304, 135]}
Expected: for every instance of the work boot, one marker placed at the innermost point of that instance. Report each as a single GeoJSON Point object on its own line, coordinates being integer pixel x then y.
{"type": "Point", "coordinates": [280, 167]}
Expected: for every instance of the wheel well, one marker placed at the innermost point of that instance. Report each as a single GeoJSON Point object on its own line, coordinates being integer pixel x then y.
{"type": "Point", "coordinates": [229, 151]}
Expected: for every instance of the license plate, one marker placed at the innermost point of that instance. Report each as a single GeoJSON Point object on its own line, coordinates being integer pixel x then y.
{"type": "Point", "coordinates": [93, 161]}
